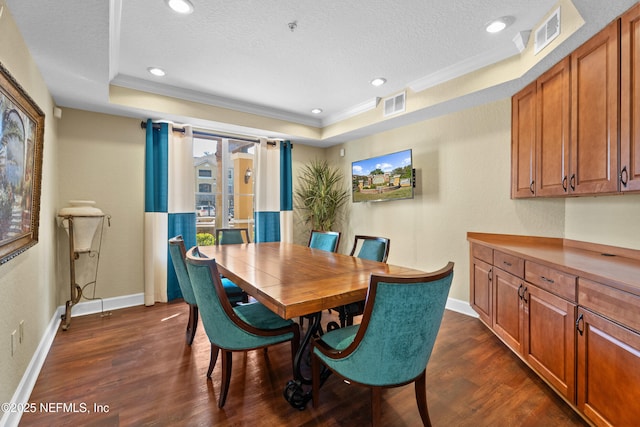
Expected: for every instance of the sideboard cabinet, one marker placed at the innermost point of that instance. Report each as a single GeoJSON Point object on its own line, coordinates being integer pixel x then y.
{"type": "Point", "coordinates": [571, 311]}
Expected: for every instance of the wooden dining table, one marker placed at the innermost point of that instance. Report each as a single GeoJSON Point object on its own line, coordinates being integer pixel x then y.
{"type": "Point", "coordinates": [297, 281]}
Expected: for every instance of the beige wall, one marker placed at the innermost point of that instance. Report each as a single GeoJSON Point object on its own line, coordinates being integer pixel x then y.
{"type": "Point", "coordinates": [101, 158]}
{"type": "Point", "coordinates": [462, 163]}
{"type": "Point", "coordinates": [26, 282]}
{"type": "Point", "coordinates": [609, 220]}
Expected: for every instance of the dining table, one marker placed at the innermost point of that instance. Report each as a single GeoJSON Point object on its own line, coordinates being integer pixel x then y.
{"type": "Point", "coordinates": [296, 281]}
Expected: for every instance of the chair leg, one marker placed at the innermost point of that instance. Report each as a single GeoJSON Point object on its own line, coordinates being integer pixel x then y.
{"type": "Point", "coordinates": [227, 357]}
{"type": "Point", "coordinates": [421, 398]}
{"type": "Point", "coordinates": [376, 404]}
{"type": "Point", "coordinates": [214, 358]}
{"type": "Point", "coordinates": [192, 324]}
{"type": "Point", "coordinates": [315, 379]}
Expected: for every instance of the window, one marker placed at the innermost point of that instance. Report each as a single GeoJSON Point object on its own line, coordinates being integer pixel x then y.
{"type": "Point", "coordinates": [227, 194]}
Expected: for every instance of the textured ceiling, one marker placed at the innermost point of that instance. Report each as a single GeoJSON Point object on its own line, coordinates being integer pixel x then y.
{"type": "Point", "coordinates": [243, 54]}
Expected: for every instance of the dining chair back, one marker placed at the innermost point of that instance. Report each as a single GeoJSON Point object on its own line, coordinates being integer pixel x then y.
{"type": "Point", "coordinates": [325, 240]}
{"type": "Point", "coordinates": [177, 252]}
{"type": "Point", "coordinates": [393, 344]}
{"type": "Point", "coordinates": [368, 247]}
{"type": "Point", "coordinates": [232, 236]}
{"type": "Point", "coordinates": [241, 328]}
{"type": "Point", "coordinates": [371, 247]}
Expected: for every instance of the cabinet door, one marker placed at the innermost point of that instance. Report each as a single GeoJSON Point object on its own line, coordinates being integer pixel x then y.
{"type": "Point", "coordinates": [481, 289]}
{"type": "Point", "coordinates": [523, 142]}
{"type": "Point", "coordinates": [608, 371]}
{"type": "Point", "coordinates": [552, 139]}
{"type": "Point", "coordinates": [549, 347]}
{"type": "Point", "coordinates": [630, 101]}
{"type": "Point", "coordinates": [594, 114]}
{"type": "Point", "coordinates": [507, 308]}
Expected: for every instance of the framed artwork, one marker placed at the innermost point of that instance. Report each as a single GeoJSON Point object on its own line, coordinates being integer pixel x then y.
{"type": "Point", "coordinates": [21, 141]}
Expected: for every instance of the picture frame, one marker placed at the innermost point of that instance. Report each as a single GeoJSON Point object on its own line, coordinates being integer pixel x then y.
{"type": "Point", "coordinates": [21, 144]}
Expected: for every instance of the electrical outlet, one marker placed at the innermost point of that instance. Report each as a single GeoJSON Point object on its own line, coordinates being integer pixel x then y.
{"type": "Point", "coordinates": [13, 342]}
{"type": "Point", "coordinates": [21, 332]}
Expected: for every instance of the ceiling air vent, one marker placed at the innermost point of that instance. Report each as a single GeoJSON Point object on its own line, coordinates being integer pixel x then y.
{"type": "Point", "coordinates": [548, 31]}
{"type": "Point", "coordinates": [394, 104]}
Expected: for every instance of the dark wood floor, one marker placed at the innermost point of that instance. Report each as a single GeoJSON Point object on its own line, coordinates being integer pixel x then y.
{"type": "Point", "coordinates": [136, 367]}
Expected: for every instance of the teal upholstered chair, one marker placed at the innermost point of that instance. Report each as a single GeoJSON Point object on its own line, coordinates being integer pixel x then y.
{"type": "Point", "coordinates": [232, 236]}
{"type": "Point", "coordinates": [368, 247]}
{"type": "Point", "coordinates": [178, 251]}
{"type": "Point", "coordinates": [393, 343]}
{"type": "Point", "coordinates": [245, 327]}
{"type": "Point", "coordinates": [325, 240]}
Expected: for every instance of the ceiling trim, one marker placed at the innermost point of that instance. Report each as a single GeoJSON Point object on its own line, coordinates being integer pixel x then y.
{"type": "Point", "coordinates": [461, 68]}
{"type": "Point", "coordinates": [135, 83]}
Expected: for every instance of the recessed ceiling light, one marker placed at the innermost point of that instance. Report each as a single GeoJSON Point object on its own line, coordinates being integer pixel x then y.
{"type": "Point", "coordinates": [159, 72]}
{"type": "Point", "coordinates": [499, 24]}
{"type": "Point", "coordinates": [181, 6]}
{"type": "Point", "coordinates": [378, 81]}
{"type": "Point", "coordinates": [316, 110]}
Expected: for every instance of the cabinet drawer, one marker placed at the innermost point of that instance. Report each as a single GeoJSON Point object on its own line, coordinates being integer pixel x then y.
{"type": "Point", "coordinates": [617, 305]}
{"type": "Point", "coordinates": [483, 253]}
{"type": "Point", "coordinates": [509, 263]}
{"type": "Point", "coordinates": [552, 280]}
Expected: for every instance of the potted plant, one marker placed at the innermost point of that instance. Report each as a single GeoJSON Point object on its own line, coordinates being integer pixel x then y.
{"type": "Point", "coordinates": [320, 194]}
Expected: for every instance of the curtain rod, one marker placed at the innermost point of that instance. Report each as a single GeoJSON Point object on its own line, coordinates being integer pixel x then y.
{"type": "Point", "coordinates": [143, 125]}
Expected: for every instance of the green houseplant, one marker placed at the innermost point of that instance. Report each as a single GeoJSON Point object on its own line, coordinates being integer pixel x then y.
{"type": "Point", "coordinates": [320, 194]}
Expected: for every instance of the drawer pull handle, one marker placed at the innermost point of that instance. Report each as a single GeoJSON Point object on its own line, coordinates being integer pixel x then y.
{"type": "Point", "coordinates": [521, 291]}
{"type": "Point", "coordinates": [508, 264]}
{"type": "Point", "coordinates": [580, 324]}
{"type": "Point", "coordinates": [547, 280]}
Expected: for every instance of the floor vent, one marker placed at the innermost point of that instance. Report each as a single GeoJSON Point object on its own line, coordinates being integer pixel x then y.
{"type": "Point", "coordinates": [394, 104]}
{"type": "Point", "coordinates": [548, 31]}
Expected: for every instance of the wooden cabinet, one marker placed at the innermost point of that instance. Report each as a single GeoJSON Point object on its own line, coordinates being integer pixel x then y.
{"type": "Point", "coordinates": [586, 132]}
{"type": "Point", "coordinates": [481, 291]}
{"type": "Point", "coordinates": [549, 331]}
{"type": "Point", "coordinates": [537, 324]}
{"type": "Point", "coordinates": [630, 100]}
{"type": "Point", "coordinates": [571, 311]}
{"type": "Point", "coordinates": [594, 114]}
{"type": "Point", "coordinates": [523, 142]}
{"type": "Point", "coordinates": [508, 309]}
{"type": "Point", "coordinates": [552, 124]}
{"type": "Point", "coordinates": [608, 354]}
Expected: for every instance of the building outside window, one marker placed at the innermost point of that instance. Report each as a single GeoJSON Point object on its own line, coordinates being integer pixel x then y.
{"type": "Point", "coordinates": [223, 200]}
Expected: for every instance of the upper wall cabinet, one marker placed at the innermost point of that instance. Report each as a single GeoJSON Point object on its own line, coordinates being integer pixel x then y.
{"type": "Point", "coordinates": [523, 142]}
{"type": "Point", "coordinates": [594, 114]}
{"type": "Point", "coordinates": [553, 130]}
{"type": "Point", "coordinates": [587, 119]}
{"type": "Point", "coordinates": [630, 101]}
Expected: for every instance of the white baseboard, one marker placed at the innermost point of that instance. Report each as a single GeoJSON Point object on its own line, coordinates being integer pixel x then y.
{"type": "Point", "coordinates": [460, 307]}
{"type": "Point", "coordinates": [99, 305]}
{"type": "Point", "coordinates": [25, 387]}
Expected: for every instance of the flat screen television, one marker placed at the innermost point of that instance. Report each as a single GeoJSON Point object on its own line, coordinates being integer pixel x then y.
{"type": "Point", "coordinates": [383, 178]}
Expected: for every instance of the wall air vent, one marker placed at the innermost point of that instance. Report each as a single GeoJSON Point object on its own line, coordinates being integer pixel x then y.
{"type": "Point", "coordinates": [548, 31]}
{"type": "Point", "coordinates": [394, 104]}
